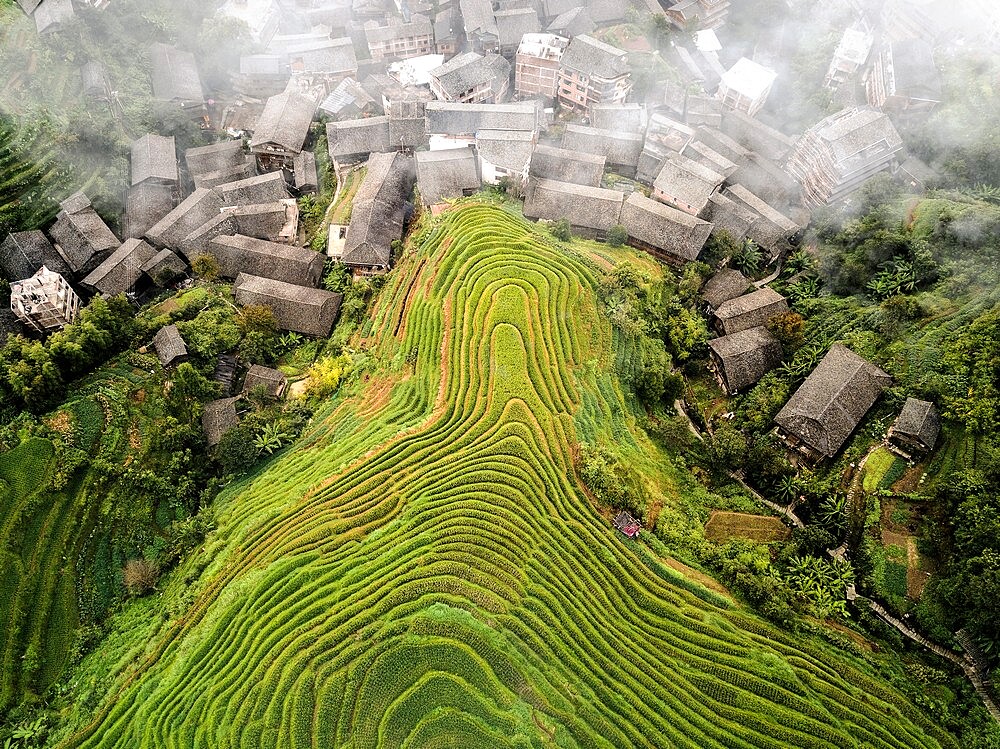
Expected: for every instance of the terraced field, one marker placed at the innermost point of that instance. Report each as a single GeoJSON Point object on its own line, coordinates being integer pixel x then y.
{"type": "Point", "coordinates": [423, 570]}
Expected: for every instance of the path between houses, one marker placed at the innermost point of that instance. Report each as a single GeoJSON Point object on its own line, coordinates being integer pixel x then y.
{"type": "Point", "coordinates": [679, 408]}
{"type": "Point", "coordinates": [973, 668]}
{"type": "Point", "coordinates": [782, 509]}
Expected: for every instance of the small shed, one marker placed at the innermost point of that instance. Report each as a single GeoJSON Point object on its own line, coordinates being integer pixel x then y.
{"type": "Point", "coordinates": [272, 379]}
{"type": "Point", "coordinates": [219, 418]}
{"type": "Point", "coordinates": [627, 524]}
{"type": "Point", "coordinates": [169, 345]}
{"type": "Point", "coordinates": [917, 427]}
{"type": "Point", "coordinates": [727, 284]}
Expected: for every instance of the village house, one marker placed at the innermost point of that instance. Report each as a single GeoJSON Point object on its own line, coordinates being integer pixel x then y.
{"type": "Point", "coordinates": [53, 15]}
{"type": "Point", "coordinates": [379, 213]}
{"type": "Point", "coordinates": [685, 184]}
{"type": "Point", "coordinates": [218, 419]}
{"type": "Point", "coordinates": [573, 22]}
{"type": "Point", "coordinates": [849, 57]}
{"type": "Point", "coordinates": [317, 57]}
{"type": "Point", "coordinates": [219, 163]}
{"type": "Point", "coordinates": [407, 125]}
{"type": "Point", "coordinates": [298, 308]}
{"type": "Point", "coordinates": [698, 14]}
{"type": "Point", "coordinates": [512, 25]}
{"type": "Point", "coordinates": [589, 210]}
{"type": "Point", "coordinates": [536, 66]}
{"type": "Point", "coordinates": [627, 525]}
{"type": "Point", "coordinates": [164, 268]}
{"type": "Point", "coordinates": [663, 136]}
{"type": "Point", "coordinates": [352, 141]}
{"type": "Point", "coordinates": [262, 188]}
{"type": "Point", "coordinates": [592, 72]}
{"type": "Point", "coordinates": [447, 32]}
{"type": "Point", "coordinates": [670, 235]}
{"type": "Point", "coordinates": [80, 236]}
{"type": "Point", "coordinates": [197, 208]}
{"type": "Point", "coordinates": [826, 409]}
{"type": "Point", "coordinates": [701, 153]}
{"type": "Point", "coordinates": [120, 273]}
{"type": "Point", "coordinates": [400, 39]}
{"type": "Point", "coordinates": [620, 150]}
{"type": "Point", "coordinates": [763, 140]}
{"type": "Point", "coordinates": [272, 380]}
{"type": "Point", "coordinates": [259, 257]}
{"type": "Point", "coordinates": [504, 154]}
{"type": "Point", "coordinates": [262, 76]}
{"type": "Point", "coordinates": [480, 25]}
{"type": "Point", "coordinates": [726, 284]}
{"type": "Point", "coordinates": [349, 101]}
{"type": "Point", "coordinates": [619, 116]}
{"type": "Point", "coordinates": [745, 86]}
{"type": "Point", "coordinates": [742, 358]}
{"type": "Point", "coordinates": [306, 173]}
{"type": "Point", "coordinates": [154, 159]}
{"type": "Point", "coordinates": [95, 81]}
{"type": "Point", "coordinates": [564, 165]}
{"type": "Point", "coordinates": [169, 346]}
{"type": "Point", "coordinates": [772, 230]}
{"type": "Point", "coordinates": [282, 130]}
{"type": "Point", "coordinates": [22, 253]}
{"type": "Point", "coordinates": [145, 205]}
{"type": "Point", "coordinates": [903, 79]}
{"type": "Point", "coordinates": [471, 78]}
{"type": "Point", "coordinates": [915, 431]}
{"type": "Point", "coordinates": [836, 156]}
{"type": "Point", "coordinates": [749, 311]}
{"type": "Point", "coordinates": [451, 124]}
{"type": "Point", "coordinates": [175, 78]}
{"type": "Point", "coordinates": [444, 174]}
{"type": "Point", "coordinates": [45, 301]}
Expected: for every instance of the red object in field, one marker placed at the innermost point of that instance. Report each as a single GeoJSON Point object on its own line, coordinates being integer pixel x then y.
{"type": "Point", "coordinates": [627, 524]}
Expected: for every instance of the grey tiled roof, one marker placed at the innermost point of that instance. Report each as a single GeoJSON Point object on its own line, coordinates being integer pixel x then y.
{"type": "Point", "coordinates": [50, 15]}
{"type": "Point", "coordinates": [507, 149]}
{"type": "Point", "coordinates": [264, 188]}
{"type": "Point", "coordinates": [219, 418]}
{"type": "Point", "coordinates": [917, 422]}
{"type": "Point", "coordinates": [448, 118]}
{"type": "Point", "coordinates": [119, 272]}
{"type": "Point", "coordinates": [592, 57]}
{"type": "Point", "coordinates": [197, 208]}
{"type": "Point", "coordinates": [586, 207]}
{"type": "Point", "coordinates": [513, 24]}
{"type": "Point", "coordinates": [22, 253]}
{"type": "Point", "coordinates": [618, 148]}
{"type": "Point", "coordinates": [750, 310]}
{"type": "Point", "coordinates": [175, 74]}
{"type": "Point", "coordinates": [84, 238]}
{"type": "Point", "coordinates": [145, 205]}
{"type": "Point", "coordinates": [829, 405]}
{"type": "Point", "coordinates": [164, 267]}
{"type": "Point", "coordinates": [353, 137]}
{"type": "Point", "coordinates": [449, 173]}
{"type": "Point", "coordinates": [154, 157]}
{"type": "Point", "coordinates": [727, 284]}
{"type": "Point", "coordinates": [564, 165]}
{"type": "Point", "coordinates": [469, 70]}
{"type": "Point", "coordinates": [281, 262]}
{"type": "Point", "coordinates": [216, 157]}
{"type": "Point", "coordinates": [573, 22]}
{"type": "Point", "coordinates": [298, 308]}
{"type": "Point", "coordinates": [379, 210]}
{"type": "Point", "coordinates": [664, 228]}
{"type": "Point", "coordinates": [284, 122]}
{"type": "Point", "coordinates": [169, 345]}
{"type": "Point", "coordinates": [272, 379]}
{"type": "Point", "coordinates": [629, 118]}
{"type": "Point", "coordinates": [746, 356]}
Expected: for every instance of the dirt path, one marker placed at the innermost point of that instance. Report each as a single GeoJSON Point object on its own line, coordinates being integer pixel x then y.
{"type": "Point", "coordinates": [679, 407]}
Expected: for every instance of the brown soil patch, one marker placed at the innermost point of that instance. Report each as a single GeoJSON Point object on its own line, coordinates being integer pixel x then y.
{"type": "Point", "coordinates": [855, 637]}
{"type": "Point", "coordinates": [60, 422]}
{"type": "Point", "coordinates": [910, 481]}
{"type": "Point", "coordinates": [722, 526]}
{"type": "Point", "coordinates": [167, 306]}
{"type": "Point", "coordinates": [699, 577]}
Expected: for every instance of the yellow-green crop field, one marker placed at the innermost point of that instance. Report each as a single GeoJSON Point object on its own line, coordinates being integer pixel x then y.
{"type": "Point", "coordinates": [423, 570]}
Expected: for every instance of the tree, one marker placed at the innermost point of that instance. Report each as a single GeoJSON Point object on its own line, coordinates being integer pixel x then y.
{"type": "Point", "coordinates": [728, 449]}
{"type": "Point", "coordinates": [561, 230]}
{"type": "Point", "coordinates": [789, 330]}
{"type": "Point", "coordinates": [257, 317]}
{"type": "Point", "coordinates": [617, 235]}
{"type": "Point", "coordinates": [188, 389]}
{"type": "Point", "coordinates": [237, 450]}
{"type": "Point", "coordinates": [206, 267]}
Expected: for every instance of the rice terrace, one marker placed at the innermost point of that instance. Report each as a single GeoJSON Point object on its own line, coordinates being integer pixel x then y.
{"type": "Point", "coordinates": [424, 570]}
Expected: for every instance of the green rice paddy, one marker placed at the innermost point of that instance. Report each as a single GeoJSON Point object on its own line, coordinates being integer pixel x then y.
{"type": "Point", "coordinates": [424, 570]}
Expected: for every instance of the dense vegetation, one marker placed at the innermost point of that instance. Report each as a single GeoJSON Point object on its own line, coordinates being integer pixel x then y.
{"type": "Point", "coordinates": [424, 565]}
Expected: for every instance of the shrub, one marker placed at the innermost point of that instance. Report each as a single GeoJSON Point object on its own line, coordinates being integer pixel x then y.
{"type": "Point", "coordinates": [139, 576]}
{"type": "Point", "coordinates": [617, 235]}
{"type": "Point", "coordinates": [237, 450]}
{"type": "Point", "coordinates": [561, 230]}
{"type": "Point", "coordinates": [205, 267]}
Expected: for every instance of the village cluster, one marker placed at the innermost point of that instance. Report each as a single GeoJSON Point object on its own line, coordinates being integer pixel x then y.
{"type": "Point", "coordinates": [519, 93]}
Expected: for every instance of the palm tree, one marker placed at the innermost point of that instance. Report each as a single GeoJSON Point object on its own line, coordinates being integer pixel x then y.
{"type": "Point", "coordinates": [271, 438]}
{"type": "Point", "coordinates": [788, 488]}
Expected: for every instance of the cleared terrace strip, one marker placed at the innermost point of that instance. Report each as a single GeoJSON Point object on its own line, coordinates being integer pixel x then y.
{"type": "Point", "coordinates": [470, 511]}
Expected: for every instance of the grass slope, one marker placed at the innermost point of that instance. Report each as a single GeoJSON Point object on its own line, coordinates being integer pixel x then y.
{"type": "Point", "coordinates": [423, 570]}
